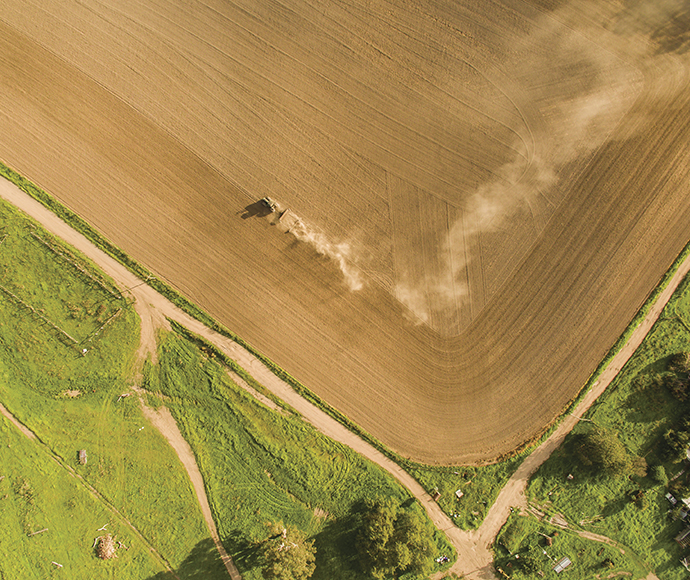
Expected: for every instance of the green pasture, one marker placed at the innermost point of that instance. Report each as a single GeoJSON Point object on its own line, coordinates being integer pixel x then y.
{"type": "Point", "coordinates": [129, 463]}
{"type": "Point", "coordinates": [640, 409]}
{"type": "Point", "coordinates": [261, 466]}
{"type": "Point", "coordinates": [37, 494]}
{"type": "Point", "coordinates": [526, 548]}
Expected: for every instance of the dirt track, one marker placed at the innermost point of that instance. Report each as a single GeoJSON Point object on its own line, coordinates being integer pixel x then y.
{"type": "Point", "coordinates": [161, 418]}
{"type": "Point", "coordinates": [506, 177]}
{"type": "Point", "coordinates": [473, 548]}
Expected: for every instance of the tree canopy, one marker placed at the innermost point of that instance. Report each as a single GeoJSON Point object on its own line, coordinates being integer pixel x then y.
{"type": "Point", "coordinates": [601, 448]}
{"type": "Point", "coordinates": [393, 540]}
{"type": "Point", "coordinates": [288, 555]}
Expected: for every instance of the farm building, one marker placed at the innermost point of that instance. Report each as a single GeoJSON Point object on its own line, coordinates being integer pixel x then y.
{"type": "Point", "coordinates": [562, 564]}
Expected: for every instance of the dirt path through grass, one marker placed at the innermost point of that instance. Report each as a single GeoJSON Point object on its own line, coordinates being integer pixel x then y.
{"type": "Point", "coordinates": [513, 493]}
{"type": "Point", "coordinates": [164, 422]}
{"type": "Point", "coordinates": [25, 430]}
{"type": "Point", "coordinates": [474, 554]}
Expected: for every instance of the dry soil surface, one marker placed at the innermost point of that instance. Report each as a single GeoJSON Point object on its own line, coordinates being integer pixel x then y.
{"type": "Point", "coordinates": [488, 191]}
{"type": "Point", "coordinates": [474, 554]}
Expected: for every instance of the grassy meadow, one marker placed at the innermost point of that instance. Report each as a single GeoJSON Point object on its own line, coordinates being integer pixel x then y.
{"type": "Point", "coordinates": [73, 402]}
{"type": "Point", "coordinates": [262, 466]}
{"type": "Point", "coordinates": [527, 548]}
{"type": "Point", "coordinates": [640, 409]}
{"type": "Point", "coordinates": [38, 494]}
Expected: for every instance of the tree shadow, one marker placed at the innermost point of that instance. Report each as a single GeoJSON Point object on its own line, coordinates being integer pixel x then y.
{"type": "Point", "coordinates": [245, 553]}
{"type": "Point", "coordinates": [202, 563]}
{"type": "Point", "coordinates": [646, 405]}
{"type": "Point", "coordinates": [336, 547]}
{"type": "Point", "coordinates": [614, 507]}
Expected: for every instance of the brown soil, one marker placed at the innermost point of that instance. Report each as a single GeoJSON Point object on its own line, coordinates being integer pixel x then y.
{"type": "Point", "coordinates": [506, 179]}
{"type": "Point", "coordinates": [473, 548]}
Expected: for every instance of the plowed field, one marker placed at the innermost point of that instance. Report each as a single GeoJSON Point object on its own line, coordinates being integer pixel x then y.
{"type": "Point", "coordinates": [481, 194]}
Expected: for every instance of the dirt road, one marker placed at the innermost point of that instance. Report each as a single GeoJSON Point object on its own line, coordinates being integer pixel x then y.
{"type": "Point", "coordinates": [474, 555]}
{"type": "Point", "coordinates": [151, 320]}
{"type": "Point", "coordinates": [513, 494]}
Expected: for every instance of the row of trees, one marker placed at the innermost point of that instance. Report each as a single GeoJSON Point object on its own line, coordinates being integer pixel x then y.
{"type": "Point", "coordinates": [391, 541]}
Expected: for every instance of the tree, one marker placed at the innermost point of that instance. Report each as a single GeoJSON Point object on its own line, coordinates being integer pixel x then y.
{"type": "Point", "coordinates": [676, 442]}
{"type": "Point", "coordinates": [659, 475]}
{"type": "Point", "coordinates": [679, 363]}
{"type": "Point", "coordinates": [288, 555]}
{"type": "Point", "coordinates": [602, 449]}
{"type": "Point", "coordinates": [532, 560]}
{"type": "Point", "coordinates": [393, 541]}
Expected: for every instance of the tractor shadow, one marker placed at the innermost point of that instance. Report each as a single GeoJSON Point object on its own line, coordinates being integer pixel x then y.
{"type": "Point", "coordinates": [257, 209]}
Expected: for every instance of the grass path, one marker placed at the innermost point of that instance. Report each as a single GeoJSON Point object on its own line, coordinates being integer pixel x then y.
{"type": "Point", "coordinates": [474, 554]}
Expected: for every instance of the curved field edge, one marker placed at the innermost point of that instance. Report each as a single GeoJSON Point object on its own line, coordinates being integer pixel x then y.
{"type": "Point", "coordinates": [416, 469]}
{"type": "Point", "coordinates": [641, 408]}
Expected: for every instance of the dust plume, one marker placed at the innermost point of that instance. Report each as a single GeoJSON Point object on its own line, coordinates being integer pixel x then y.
{"type": "Point", "coordinates": [579, 93]}
{"type": "Point", "coordinates": [341, 253]}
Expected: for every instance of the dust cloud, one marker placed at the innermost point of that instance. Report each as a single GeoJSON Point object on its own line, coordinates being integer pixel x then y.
{"type": "Point", "coordinates": [341, 253]}
{"type": "Point", "coordinates": [581, 92]}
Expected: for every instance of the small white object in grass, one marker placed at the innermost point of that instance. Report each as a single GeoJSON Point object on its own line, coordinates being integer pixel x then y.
{"type": "Point", "coordinates": [140, 428]}
{"type": "Point", "coordinates": [103, 528]}
{"type": "Point", "coordinates": [58, 565]}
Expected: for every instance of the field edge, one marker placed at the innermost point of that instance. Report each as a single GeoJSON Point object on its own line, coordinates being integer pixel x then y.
{"type": "Point", "coordinates": [98, 239]}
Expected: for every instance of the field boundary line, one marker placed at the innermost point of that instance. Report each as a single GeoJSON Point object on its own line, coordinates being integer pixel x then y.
{"type": "Point", "coordinates": [37, 313]}
{"type": "Point", "coordinates": [473, 547]}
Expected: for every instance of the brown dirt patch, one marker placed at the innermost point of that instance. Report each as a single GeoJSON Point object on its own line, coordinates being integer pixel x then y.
{"type": "Point", "coordinates": [507, 178]}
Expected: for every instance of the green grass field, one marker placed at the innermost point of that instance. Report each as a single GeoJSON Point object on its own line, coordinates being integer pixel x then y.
{"type": "Point", "coordinates": [129, 463]}
{"type": "Point", "coordinates": [525, 538]}
{"type": "Point", "coordinates": [480, 487]}
{"type": "Point", "coordinates": [640, 411]}
{"type": "Point", "coordinates": [37, 494]}
{"type": "Point", "coordinates": [261, 466]}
